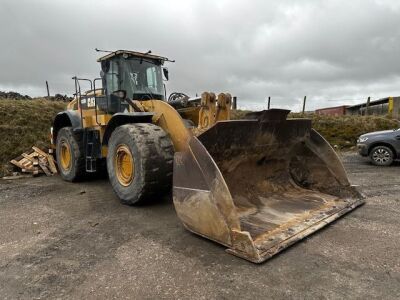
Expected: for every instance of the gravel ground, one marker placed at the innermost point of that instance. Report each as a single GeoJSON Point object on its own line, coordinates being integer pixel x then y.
{"type": "Point", "coordinates": [76, 241]}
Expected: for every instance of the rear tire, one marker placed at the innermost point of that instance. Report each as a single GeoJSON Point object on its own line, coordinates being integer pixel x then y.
{"type": "Point", "coordinates": [70, 155]}
{"type": "Point", "coordinates": [139, 162]}
{"type": "Point", "coordinates": [381, 156]}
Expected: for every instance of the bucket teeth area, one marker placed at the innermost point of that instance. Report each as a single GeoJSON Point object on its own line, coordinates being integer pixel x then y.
{"type": "Point", "coordinates": [270, 182]}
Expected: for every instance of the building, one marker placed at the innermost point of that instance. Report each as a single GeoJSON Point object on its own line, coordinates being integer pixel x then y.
{"type": "Point", "coordinates": [332, 111]}
{"type": "Point", "coordinates": [386, 106]}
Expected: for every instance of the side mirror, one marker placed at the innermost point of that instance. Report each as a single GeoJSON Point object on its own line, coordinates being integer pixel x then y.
{"type": "Point", "coordinates": [165, 72]}
{"type": "Point", "coordinates": [121, 94]}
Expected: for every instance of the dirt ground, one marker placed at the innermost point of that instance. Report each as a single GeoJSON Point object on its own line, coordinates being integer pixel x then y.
{"type": "Point", "coordinates": [76, 241]}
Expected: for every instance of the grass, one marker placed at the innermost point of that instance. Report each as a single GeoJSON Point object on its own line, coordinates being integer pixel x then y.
{"type": "Point", "coordinates": [239, 114]}
{"type": "Point", "coordinates": [23, 124]}
{"type": "Point", "coordinates": [342, 132]}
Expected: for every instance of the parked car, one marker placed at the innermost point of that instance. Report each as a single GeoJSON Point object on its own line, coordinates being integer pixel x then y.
{"type": "Point", "coordinates": [382, 147]}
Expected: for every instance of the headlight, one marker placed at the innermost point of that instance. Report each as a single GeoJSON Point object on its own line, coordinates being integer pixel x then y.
{"type": "Point", "coordinates": [362, 139]}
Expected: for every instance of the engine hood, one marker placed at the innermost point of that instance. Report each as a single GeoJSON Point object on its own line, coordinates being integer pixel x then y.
{"type": "Point", "coordinates": [377, 133]}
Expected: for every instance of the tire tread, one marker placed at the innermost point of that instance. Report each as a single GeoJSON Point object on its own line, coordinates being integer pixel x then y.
{"type": "Point", "coordinates": [156, 151]}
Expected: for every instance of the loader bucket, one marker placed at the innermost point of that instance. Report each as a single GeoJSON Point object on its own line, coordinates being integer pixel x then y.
{"type": "Point", "coordinates": [259, 185]}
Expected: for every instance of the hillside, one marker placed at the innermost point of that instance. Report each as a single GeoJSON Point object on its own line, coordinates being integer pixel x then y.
{"type": "Point", "coordinates": [342, 132]}
{"type": "Point", "coordinates": [24, 124]}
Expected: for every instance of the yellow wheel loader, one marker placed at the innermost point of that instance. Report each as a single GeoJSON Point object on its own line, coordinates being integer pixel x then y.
{"type": "Point", "coordinates": [256, 185]}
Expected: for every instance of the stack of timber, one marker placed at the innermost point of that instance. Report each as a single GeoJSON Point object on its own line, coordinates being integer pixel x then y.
{"type": "Point", "coordinates": [36, 161]}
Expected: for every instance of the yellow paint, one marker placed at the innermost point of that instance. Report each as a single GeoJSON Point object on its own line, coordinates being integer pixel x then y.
{"type": "Point", "coordinates": [390, 104]}
{"type": "Point", "coordinates": [73, 105]}
{"type": "Point", "coordinates": [104, 151]}
{"type": "Point", "coordinates": [210, 111]}
{"type": "Point", "coordinates": [207, 111]}
{"type": "Point", "coordinates": [90, 120]}
{"type": "Point", "coordinates": [65, 156]}
{"type": "Point", "coordinates": [169, 119]}
{"type": "Point", "coordinates": [191, 113]}
{"type": "Point", "coordinates": [224, 103]}
{"type": "Point", "coordinates": [124, 165]}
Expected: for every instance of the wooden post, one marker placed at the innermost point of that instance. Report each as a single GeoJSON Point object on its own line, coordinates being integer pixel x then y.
{"type": "Point", "coordinates": [269, 102]}
{"type": "Point", "coordinates": [47, 87]}
{"type": "Point", "coordinates": [304, 104]}
{"type": "Point", "coordinates": [234, 102]}
{"type": "Point", "coordinates": [367, 106]}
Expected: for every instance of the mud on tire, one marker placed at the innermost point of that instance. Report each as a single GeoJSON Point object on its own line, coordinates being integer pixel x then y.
{"type": "Point", "coordinates": [152, 153]}
{"type": "Point", "coordinates": [76, 170]}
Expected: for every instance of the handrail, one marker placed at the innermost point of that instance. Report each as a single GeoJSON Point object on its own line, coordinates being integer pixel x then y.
{"type": "Point", "coordinates": [79, 94]}
{"type": "Point", "coordinates": [95, 99]}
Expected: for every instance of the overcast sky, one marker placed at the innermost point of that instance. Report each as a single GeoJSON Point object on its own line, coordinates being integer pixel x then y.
{"type": "Point", "coordinates": [335, 52]}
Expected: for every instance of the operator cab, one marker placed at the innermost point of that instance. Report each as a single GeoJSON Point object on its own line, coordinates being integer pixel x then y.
{"type": "Point", "coordinates": [138, 75]}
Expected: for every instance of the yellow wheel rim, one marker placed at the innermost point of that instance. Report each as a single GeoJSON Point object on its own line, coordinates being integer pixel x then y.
{"type": "Point", "coordinates": [65, 156]}
{"type": "Point", "coordinates": [124, 165]}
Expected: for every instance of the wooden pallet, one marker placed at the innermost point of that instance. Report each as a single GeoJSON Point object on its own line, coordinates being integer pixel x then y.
{"type": "Point", "coordinates": [36, 161]}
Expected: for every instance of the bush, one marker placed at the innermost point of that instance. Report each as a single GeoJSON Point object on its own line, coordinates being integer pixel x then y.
{"type": "Point", "coordinates": [343, 131]}
{"type": "Point", "coordinates": [24, 124]}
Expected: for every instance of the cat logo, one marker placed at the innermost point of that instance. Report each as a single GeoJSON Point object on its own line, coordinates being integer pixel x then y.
{"type": "Point", "coordinates": [91, 102]}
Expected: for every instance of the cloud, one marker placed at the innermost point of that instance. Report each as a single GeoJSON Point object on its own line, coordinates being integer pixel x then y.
{"type": "Point", "coordinates": [327, 50]}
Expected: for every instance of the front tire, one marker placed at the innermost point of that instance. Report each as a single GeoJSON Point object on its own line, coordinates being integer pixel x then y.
{"type": "Point", "coordinates": [381, 156]}
{"type": "Point", "coordinates": [70, 155]}
{"type": "Point", "coordinates": [139, 162]}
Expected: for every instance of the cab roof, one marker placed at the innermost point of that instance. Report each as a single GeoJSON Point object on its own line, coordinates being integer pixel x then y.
{"type": "Point", "coordinates": [132, 53]}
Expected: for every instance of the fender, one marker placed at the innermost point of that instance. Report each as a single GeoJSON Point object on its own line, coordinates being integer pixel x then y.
{"type": "Point", "coordinates": [125, 118]}
{"type": "Point", "coordinates": [67, 118]}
